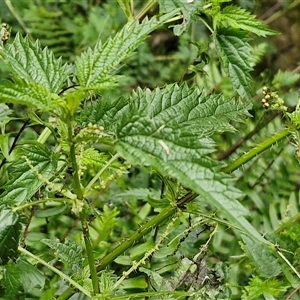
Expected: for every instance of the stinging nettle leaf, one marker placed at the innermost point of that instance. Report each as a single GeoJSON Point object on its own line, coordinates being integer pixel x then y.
{"type": "Point", "coordinates": [30, 94]}
{"type": "Point", "coordinates": [12, 281]}
{"type": "Point", "coordinates": [201, 115]}
{"type": "Point", "coordinates": [29, 62]}
{"type": "Point", "coordinates": [104, 113]}
{"type": "Point", "coordinates": [96, 68]}
{"type": "Point", "coordinates": [188, 9]}
{"type": "Point", "coordinates": [239, 18]}
{"type": "Point", "coordinates": [9, 235]}
{"type": "Point", "coordinates": [24, 180]}
{"type": "Point", "coordinates": [153, 132]}
{"type": "Point", "coordinates": [30, 276]}
{"type": "Point", "coordinates": [69, 253]}
{"type": "Point", "coordinates": [266, 264]}
{"type": "Point", "coordinates": [235, 55]}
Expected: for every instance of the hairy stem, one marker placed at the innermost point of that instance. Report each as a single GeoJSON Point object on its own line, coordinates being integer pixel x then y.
{"type": "Point", "coordinates": [144, 229]}
{"type": "Point", "coordinates": [256, 150]}
{"type": "Point", "coordinates": [84, 224]}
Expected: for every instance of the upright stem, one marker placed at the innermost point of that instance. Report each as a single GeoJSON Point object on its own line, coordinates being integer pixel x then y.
{"type": "Point", "coordinates": [84, 223]}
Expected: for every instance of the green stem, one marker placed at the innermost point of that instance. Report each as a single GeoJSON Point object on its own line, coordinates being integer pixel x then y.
{"type": "Point", "coordinates": [279, 13]}
{"type": "Point", "coordinates": [30, 204]}
{"type": "Point", "coordinates": [76, 178]}
{"type": "Point", "coordinates": [66, 294]}
{"type": "Point", "coordinates": [90, 255]}
{"type": "Point", "coordinates": [287, 224]}
{"type": "Point", "coordinates": [256, 150]}
{"type": "Point", "coordinates": [84, 224]}
{"type": "Point", "coordinates": [145, 9]}
{"type": "Point", "coordinates": [144, 229]}
{"type": "Point", "coordinates": [56, 271]}
{"type": "Point", "coordinates": [44, 135]}
{"type": "Point", "coordinates": [18, 18]}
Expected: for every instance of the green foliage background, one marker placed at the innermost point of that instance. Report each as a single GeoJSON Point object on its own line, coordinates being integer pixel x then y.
{"type": "Point", "coordinates": [215, 233]}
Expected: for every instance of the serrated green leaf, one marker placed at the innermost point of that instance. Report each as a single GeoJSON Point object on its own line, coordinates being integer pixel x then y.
{"type": "Point", "coordinates": [69, 253]}
{"type": "Point", "coordinates": [206, 114]}
{"type": "Point", "coordinates": [93, 157]}
{"type": "Point", "coordinates": [235, 55]}
{"type": "Point", "coordinates": [266, 264]}
{"type": "Point", "coordinates": [30, 94]}
{"type": "Point", "coordinates": [168, 129]}
{"type": "Point", "coordinates": [29, 62]}
{"type": "Point", "coordinates": [188, 9]}
{"type": "Point", "coordinates": [96, 68]}
{"type": "Point", "coordinates": [12, 282]}
{"type": "Point", "coordinates": [24, 181]}
{"type": "Point", "coordinates": [239, 18]}
{"type": "Point", "coordinates": [30, 276]}
{"type": "Point", "coordinates": [105, 113]}
{"type": "Point", "coordinates": [258, 287]}
{"type": "Point", "coordinates": [9, 235]}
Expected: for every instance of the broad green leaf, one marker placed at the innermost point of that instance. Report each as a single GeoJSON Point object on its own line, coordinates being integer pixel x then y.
{"type": "Point", "coordinates": [188, 9]}
{"type": "Point", "coordinates": [30, 94]}
{"type": "Point", "coordinates": [139, 250]}
{"type": "Point", "coordinates": [49, 212]}
{"type": "Point", "coordinates": [12, 282]}
{"type": "Point", "coordinates": [235, 55]}
{"type": "Point", "coordinates": [168, 129]}
{"type": "Point", "coordinates": [69, 253]}
{"type": "Point", "coordinates": [30, 276]}
{"type": "Point", "coordinates": [266, 264]}
{"type": "Point", "coordinates": [30, 163]}
{"type": "Point", "coordinates": [104, 113]}
{"type": "Point", "coordinates": [269, 288]}
{"type": "Point", "coordinates": [157, 281]}
{"type": "Point", "coordinates": [239, 18]}
{"type": "Point", "coordinates": [206, 114]}
{"type": "Point", "coordinates": [97, 68]}
{"type": "Point", "coordinates": [29, 62]}
{"type": "Point", "coordinates": [9, 235]}
{"type": "Point", "coordinates": [135, 283]}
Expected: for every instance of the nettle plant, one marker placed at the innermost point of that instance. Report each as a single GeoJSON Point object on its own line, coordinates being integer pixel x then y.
{"type": "Point", "coordinates": [63, 235]}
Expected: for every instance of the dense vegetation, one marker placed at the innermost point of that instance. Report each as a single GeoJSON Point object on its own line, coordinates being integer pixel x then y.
{"type": "Point", "coordinates": [148, 150]}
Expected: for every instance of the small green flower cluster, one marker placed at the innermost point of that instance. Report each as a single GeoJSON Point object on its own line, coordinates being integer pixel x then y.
{"type": "Point", "coordinates": [272, 100]}
{"type": "Point", "coordinates": [91, 132]}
